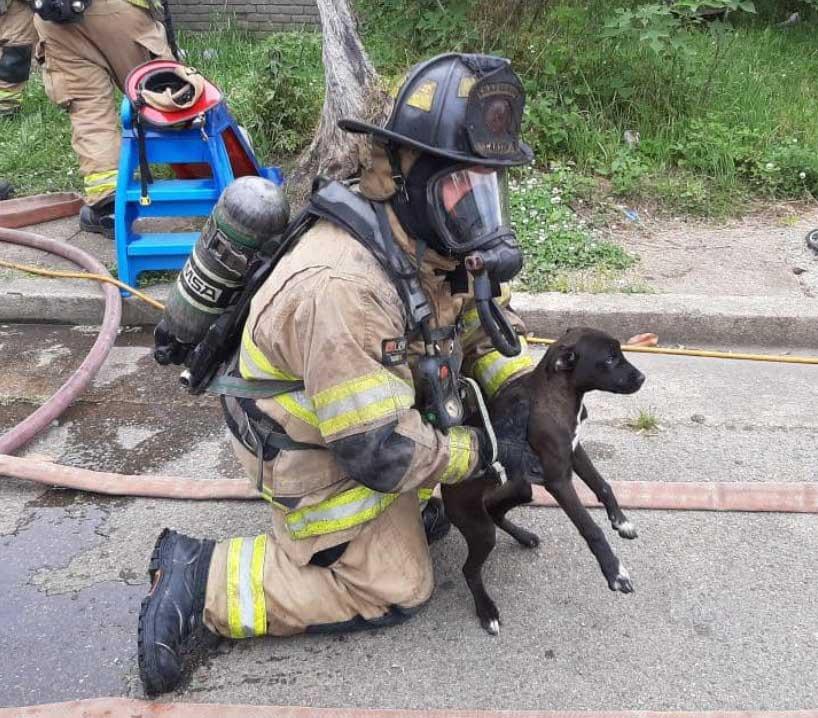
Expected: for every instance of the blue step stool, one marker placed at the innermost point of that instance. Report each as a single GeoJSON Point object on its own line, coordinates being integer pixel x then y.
{"type": "Point", "coordinates": [140, 251]}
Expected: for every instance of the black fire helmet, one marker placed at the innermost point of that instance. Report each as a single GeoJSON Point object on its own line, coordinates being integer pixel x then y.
{"type": "Point", "coordinates": [466, 108]}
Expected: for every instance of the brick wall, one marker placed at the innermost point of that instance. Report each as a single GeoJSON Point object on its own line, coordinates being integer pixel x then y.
{"type": "Point", "coordinates": [254, 15]}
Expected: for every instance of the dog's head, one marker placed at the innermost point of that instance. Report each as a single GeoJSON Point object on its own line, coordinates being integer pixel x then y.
{"type": "Point", "coordinates": [593, 360]}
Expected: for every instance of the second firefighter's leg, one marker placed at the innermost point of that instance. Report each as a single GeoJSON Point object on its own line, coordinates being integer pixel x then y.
{"type": "Point", "coordinates": [17, 38]}
{"type": "Point", "coordinates": [76, 79]}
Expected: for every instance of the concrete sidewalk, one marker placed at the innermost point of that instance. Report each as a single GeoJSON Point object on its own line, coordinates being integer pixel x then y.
{"type": "Point", "coordinates": [756, 304]}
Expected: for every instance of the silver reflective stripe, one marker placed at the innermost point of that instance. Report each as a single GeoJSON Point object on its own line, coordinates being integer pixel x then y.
{"type": "Point", "coordinates": [249, 369]}
{"type": "Point", "coordinates": [359, 400]}
{"type": "Point", "coordinates": [246, 587]}
{"type": "Point", "coordinates": [338, 513]}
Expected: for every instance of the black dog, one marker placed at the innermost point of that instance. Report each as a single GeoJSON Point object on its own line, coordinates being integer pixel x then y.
{"type": "Point", "coordinates": [546, 407]}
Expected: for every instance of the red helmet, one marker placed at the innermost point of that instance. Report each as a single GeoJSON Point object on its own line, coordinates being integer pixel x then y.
{"type": "Point", "coordinates": [168, 93]}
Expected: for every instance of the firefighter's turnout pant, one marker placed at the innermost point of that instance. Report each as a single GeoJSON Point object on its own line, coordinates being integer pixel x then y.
{"type": "Point", "coordinates": [83, 62]}
{"type": "Point", "coordinates": [256, 587]}
{"type": "Point", "coordinates": [17, 39]}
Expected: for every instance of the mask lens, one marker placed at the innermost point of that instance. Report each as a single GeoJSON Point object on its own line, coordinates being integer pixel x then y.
{"type": "Point", "coordinates": [471, 204]}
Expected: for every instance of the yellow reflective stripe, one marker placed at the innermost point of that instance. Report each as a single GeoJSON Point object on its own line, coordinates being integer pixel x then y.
{"type": "Point", "coordinates": [16, 94]}
{"type": "Point", "coordinates": [360, 401]}
{"type": "Point", "coordinates": [299, 405]}
{"type": "Point", "coordinates": [459, 455]}
{"type": "Point", "coordinates": [494, 369]}
{"type": "Point", "coordinates": [470, 321]}
{"type": "Point", "coordinates": [257, 585]}
{"type": "Point", "coordinates": [146, 4]}
{"type": "Point", "coordinates": [98, 183]}
{"type": "Point", "coordinates": [366, 414]}
{"type": "Point", "coordinates": [256, 360]}
{"type": "Point", "coordinates": [424, 495]}
{"type": "Point", "coordinates": [347, 509]}
{"type": "Point", "coordinates": [246, 608]}
{"type": "Point", "coordinates": [254, 365]}
{"type": "Point", "coordinates": [267, 495]}
{"type": "Point", "coordinates": [233, 605]}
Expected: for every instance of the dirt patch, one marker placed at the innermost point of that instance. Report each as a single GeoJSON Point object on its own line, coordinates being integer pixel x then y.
{"type": "Point", "coordinates": [761, 254]}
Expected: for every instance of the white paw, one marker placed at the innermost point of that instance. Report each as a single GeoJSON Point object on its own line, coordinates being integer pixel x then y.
{"type": "Point", "coordinates": [493, 627]}
{"type": "Point", "coordinates": [622, 582]}
{"type": "Point", "coordinates": [626, 529]}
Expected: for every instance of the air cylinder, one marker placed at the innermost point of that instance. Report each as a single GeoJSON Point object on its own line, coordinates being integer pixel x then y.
{"type": "Point", "coordinates": [251, 215]}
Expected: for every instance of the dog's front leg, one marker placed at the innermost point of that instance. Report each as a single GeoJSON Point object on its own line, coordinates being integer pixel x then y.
{"type": "Point", "coordinates": [586, 471]}
{"type": "Point", "coordinates": [615, 573]}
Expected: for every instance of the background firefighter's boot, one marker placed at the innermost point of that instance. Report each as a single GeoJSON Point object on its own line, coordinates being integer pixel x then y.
{"type": "Point", "coordinates": [173, 609]}
{"type": "Point", "coordinates": [98, 219]}
{"type": "Point", "coordinates": [435, 522]}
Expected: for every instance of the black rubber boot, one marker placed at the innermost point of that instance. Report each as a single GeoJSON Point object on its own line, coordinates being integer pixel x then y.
{"type": "Point", "coordinates": [98, 219]}
{"type": "Point", "coordinates": [6, 190]}
{"type": "Point", "coordinates": [435, 522]}
{"type": "Point", "coordinates": [172, 611]}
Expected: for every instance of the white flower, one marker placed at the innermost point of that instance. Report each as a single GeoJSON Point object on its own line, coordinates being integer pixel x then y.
{"type": "Point", "coordinates": [770, 165]}
{"type": "Point", "coordinates": [556, 199]}
{"type": "Point", "coordinates": [802, 175]}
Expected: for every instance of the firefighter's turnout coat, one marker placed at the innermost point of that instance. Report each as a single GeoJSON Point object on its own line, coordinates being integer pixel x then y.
{"type": "Point", "coordinates": [347, 544]}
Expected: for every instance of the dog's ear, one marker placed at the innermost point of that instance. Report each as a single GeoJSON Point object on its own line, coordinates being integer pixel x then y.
{"type": "Point", "coordinates": [566, 359]}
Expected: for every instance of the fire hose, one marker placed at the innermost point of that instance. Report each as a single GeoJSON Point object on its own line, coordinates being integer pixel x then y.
{"type": "Point", "coordinates": [705, 496]}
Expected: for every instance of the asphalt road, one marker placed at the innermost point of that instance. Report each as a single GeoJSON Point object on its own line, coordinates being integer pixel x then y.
{"type": "Point", "coordinates": [725, 613]}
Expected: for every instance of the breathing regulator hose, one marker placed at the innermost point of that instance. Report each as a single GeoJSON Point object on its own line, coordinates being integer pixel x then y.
{"type": "Point", "coordinates": [492, 318]}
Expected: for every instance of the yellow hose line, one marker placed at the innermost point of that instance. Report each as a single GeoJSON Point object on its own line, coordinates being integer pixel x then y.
{"type": "Point", "coordinates": [83, 275]}
{"type": "Point", "coordinates": [780, 359]}
{"type": "Point", "coordinates": [704, 353]}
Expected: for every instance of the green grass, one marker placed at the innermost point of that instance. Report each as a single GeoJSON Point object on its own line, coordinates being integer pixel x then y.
{"type": "Point", "coordinates": [35, 146]}
{"type": "Point", "coordinates": [552, 236]}
{"type": "Point", "coordinates": [720, 127]}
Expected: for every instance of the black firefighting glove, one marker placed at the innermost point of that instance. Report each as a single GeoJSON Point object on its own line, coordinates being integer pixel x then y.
{"type": "Point", "coordinates": [513, 450]}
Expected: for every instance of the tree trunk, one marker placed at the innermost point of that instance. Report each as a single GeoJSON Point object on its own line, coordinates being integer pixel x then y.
{"type": "Point", "coordinates": [352, 89]}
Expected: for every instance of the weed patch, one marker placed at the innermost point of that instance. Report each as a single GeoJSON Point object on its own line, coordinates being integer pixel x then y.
{"type": "Point", "coordinates": [552, 236]}
{"type": "Point", "coordinates": [645, 422]}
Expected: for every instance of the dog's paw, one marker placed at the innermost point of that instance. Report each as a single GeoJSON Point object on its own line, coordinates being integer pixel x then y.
{"type": "Point", "coordinates": [489, 618]}
{"type": "Point", "coordinates": [492, 627]}
{"type": "Point", "coordinates": [527, 538]}
{"type": "Point", "coordinates": [622, 581]}
{"type": "Point", "coordinates": [625, 529]}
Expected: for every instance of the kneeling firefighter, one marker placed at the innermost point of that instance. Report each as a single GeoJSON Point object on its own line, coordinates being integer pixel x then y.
{"type": "Point", "coordinates": [343, 397]}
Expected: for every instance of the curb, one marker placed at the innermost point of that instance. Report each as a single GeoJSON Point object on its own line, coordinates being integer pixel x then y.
{"type": "Point", "coordinates": [678, 319]}
{"type": "Point", "coordinates": [689, 320]}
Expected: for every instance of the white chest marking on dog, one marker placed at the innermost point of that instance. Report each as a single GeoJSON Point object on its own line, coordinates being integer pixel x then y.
{"type": "Point", "coordinates": [578, 427]}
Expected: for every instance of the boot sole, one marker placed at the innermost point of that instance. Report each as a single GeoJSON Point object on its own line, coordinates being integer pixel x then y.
{"type": "Point", "coordinates": [148, 672]}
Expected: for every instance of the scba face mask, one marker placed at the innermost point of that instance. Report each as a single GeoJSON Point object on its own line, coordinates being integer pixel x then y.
{"type": "Point", "coordinates": [469, 211]}
{"type": "Point", "coordinates": [469, 205]}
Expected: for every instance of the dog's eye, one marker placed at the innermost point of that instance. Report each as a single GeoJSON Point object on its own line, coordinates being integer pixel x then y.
{"type": "Point", "coordinates": [610, 361]}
